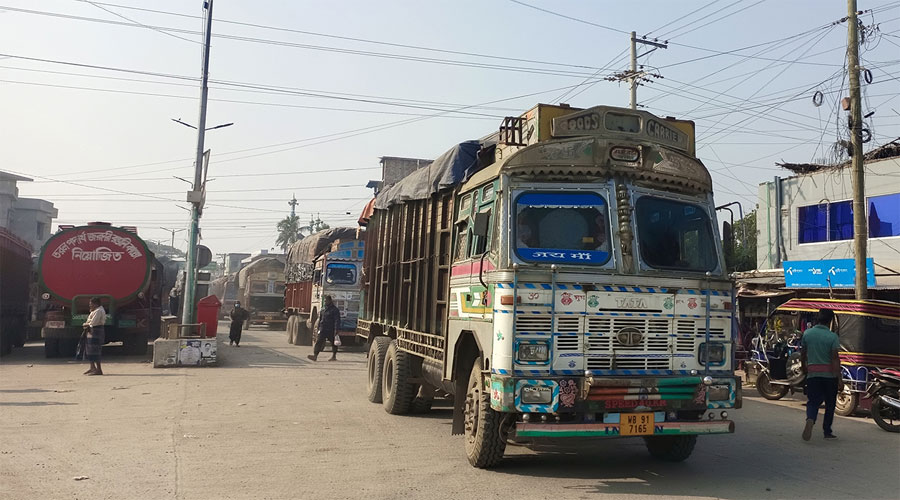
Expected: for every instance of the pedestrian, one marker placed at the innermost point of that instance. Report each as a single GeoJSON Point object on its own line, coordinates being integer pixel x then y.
{"type": "Point", "coordinates": [329, 326]}
{"type": "Point", "coordinates": [822, 366]}
{"type": "Point", "coordinates": [238, 316]}
{"type": "Point", "coordinates": [95, 335]}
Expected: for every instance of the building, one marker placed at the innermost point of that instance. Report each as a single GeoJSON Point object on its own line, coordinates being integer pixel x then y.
{"type": "Point", "coordinates": [395, 168]}
{"type": "Point", "coordinates": [28, 218]}
{"type": "Point", "coordinates": [233, 262]}
{"type": "Point", "coordinates": [809, 216]}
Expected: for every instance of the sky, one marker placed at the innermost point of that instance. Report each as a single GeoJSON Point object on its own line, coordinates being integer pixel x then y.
{"type": "Point", "coordinates": [318, 91]}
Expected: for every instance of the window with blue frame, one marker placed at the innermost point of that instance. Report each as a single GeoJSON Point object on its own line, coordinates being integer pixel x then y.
{"type": "Point", "coordinates": [884, 216]}
{"type": "Point", "coordinates": [840, 223]}
{"type": "Point", "coordinates": [813, 224]}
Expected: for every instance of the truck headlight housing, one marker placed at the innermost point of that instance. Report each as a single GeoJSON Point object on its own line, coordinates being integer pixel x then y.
{"type": "Point", "coordinates": [536, 352]}
{"type": "Point", "coordinates": [719, 393]}
{"type": "Point", "coordinates": [536, 395]}
{"type": "Point", "coordinates": [712, 354]}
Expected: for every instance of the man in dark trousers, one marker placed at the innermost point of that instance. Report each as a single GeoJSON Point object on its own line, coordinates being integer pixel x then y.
{"type": "Point", "coordinates": [238, 316]}
{"type": "Point", "coordinates": [822, 366]}
{"type": "Point", "coordinates": [329, 324]}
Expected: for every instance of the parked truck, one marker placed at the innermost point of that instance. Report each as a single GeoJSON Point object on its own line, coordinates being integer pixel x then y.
{"type": "Point", "coordinates": [562, 277]}
{"type": "Point", "coordinates": [325, 263]}
{"type": "Point", "coordinates": [15, 287]}
{"type": "Point", "coordinates": [261, 291]}
{"type": "Point", "coordinates": [99, 260]}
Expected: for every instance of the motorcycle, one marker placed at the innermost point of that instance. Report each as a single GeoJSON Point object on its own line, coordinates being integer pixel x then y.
{"type": "Point", "coordinates": [775, 365]}
{"type": "Point", "coordinates": [885, 394]}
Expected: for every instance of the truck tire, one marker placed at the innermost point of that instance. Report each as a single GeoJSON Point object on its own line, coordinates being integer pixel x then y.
{"type": "Point", "coordinates": [51, 348]}
{"type": "Point", "coordinates": [290, 329]}
{"type": "Point", "coordinates": [396, 391]}
{"type": "Point", "coordinates": [671, 448]}
{"type": "Point", "coordinates": [485, 442]}
{"type": "Point", "coordinates": [302, 335]}
{"type": "Point", "coordinates": [68, 347]}
{"type": "Point", "coordinates": [6, 344]}
{"type": "Point", "coordinates": [375, 367]}
{"type": "Point", "coordinates": [135, 344]}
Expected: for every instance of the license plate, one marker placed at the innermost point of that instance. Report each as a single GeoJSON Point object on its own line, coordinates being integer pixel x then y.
{"type": "Point", "coordinates": [55, 324]}
{"type": "Point", "coordinates": [636, 424]}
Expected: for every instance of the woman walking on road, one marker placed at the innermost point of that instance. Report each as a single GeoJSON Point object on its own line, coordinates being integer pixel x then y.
{"type": "Point", "coordinates": [95, 336]}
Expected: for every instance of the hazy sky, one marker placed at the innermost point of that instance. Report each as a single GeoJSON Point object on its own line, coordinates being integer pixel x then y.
{"type": "Point", "coordinates": [318, 91]}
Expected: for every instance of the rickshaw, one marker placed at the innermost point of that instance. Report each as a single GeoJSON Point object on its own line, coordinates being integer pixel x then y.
{"type": "Point", "coordinates": [869, 334]}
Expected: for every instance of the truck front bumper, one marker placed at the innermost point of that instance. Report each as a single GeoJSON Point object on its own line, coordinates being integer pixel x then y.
{"type": "Point", "coordinates": [612, 430]}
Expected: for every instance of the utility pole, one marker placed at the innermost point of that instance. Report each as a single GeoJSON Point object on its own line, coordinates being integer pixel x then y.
{"type": "Point", "coordinates": [857, 175]}
{"type": "Point", "coordinates": [190, 276]}
{"type": "Point", "coordinates": [633, 76]}
{"type": "Point", "coordinates": [173, 231]}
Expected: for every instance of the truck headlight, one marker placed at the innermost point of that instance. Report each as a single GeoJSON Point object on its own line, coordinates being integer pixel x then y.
{"type": "Point", "coordinates": [719, 393]}
{"type": "Point", "coordinates": [533, 352]}
{"type": "Point", "coordinates": [712, 353]}
{"type": "Point", "coordinates": [536, 395]}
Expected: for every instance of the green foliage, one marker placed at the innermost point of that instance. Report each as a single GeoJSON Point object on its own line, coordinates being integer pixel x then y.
{"type": "Point", "coordinates": [740, 255]}
{"type": "Point", "coordinates": [288, 231]}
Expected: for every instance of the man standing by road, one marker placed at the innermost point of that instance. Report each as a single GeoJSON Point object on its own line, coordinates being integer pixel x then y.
{"type": "Point", "coordinates": [822, 367]}
{"type": "Point", "coordinates": [238, 316]}
{"type": "Point", "coordinates": [95, 336]}
{"type": "Point", "coordinates": [329, 324]}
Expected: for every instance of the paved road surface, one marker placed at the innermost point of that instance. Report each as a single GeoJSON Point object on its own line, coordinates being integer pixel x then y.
{"type": "Point", "coordinates": [267, 423]}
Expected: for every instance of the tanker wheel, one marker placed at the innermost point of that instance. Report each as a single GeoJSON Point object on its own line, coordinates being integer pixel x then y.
{"type": "Point", "coordinates": [485, 441]}
{"type": "Point", "coordinates": [671, 448]}
{"type": "Point", "coordinates": [51, 348]}
{"type": "Point", "coordinates": [67, 347]}
{"type": "Point", "coordinates": [396, 391]}
{"type": "Point", "coordinates": [6, 344]}
{"type": "Point", "coordinates": [375, 368]}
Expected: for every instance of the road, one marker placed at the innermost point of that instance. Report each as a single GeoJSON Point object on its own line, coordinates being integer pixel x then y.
{"type": "Point", "coordinates": [267, 423]}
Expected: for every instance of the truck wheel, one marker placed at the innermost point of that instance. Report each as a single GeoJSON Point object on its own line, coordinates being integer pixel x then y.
{"type": "Point", "coordinates": [397, 393]}
{"type": "Point", "coordinates": [6, 344]}
{"type": "Point", "coordinates": [846, 402]}
{"type": "Point", "coordinates": [375, 367]}
{"type": "Point", "coordinates": [303, 335]}
{"type": "Point", "coordinates": [135, 344]}
{"type": "Point", "coordinates": [68, 347]}
{"type": "Point", "coordinates": [51, 348]}
{"type": "Point", "coordinates": [290, 329]}
{"type": "Point", "coordinates": [671, 448]}
{"type": "Point", "coordinates": [485, 443]}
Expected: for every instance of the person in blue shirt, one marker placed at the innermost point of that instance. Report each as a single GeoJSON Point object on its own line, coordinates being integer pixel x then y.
{"type": "Point", "coordinates": [822, 366]}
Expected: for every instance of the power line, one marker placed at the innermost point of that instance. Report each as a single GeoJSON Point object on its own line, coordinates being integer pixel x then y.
{"type": "Point", "coordinates": [120, 16]}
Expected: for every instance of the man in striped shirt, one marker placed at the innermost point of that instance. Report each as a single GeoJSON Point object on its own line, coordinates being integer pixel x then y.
{"type": "Point", "coordinates": [822, 366]}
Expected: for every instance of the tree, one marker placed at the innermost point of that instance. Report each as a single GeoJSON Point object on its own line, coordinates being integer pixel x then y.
{"type": "Point", "coordinates": [288, 231]}
{"type": "Point", "coordinates": [742, 256]}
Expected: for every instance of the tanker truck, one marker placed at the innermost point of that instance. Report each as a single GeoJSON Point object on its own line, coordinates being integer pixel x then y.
{"type": "Point", "coordinates": [99, 260]}
{"type": "Point", "coordinates": [15, 284]}
{"type": "Point", "coordinates": [324, 263]}
{"type": "Point", "coordinates": [562, 277]}
{"type": "Point", "coordinates": [261, 291]}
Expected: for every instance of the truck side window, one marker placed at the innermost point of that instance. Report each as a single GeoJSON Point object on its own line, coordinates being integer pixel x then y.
{"type": "Point", "coordinates": [462, 241]}
{"type": "Point", "coordinates": [481, 244]}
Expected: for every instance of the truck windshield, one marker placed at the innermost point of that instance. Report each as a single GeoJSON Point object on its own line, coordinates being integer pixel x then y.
{"type": "Point", "coordinates": [340, 274]}
{"type": "Point", "coordinates": [562, 227]}
{"type": "Point", "coordinates": [675, 235]}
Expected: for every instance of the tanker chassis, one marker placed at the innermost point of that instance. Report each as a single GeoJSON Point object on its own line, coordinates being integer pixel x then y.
{"type": "Point", "coordinates": [15, 285]}
{"type": "Point", "coordinates": [560, 278]}
{"type": "Point", "coordinates": [99, 260]}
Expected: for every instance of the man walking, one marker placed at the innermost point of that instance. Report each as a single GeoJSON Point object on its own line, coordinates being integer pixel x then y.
{"type": "Point", "coordinates": [329, 324]}
{"type": "Point", "coordinates": [238, 316]}
{"type": "Point", "coordinates": [822, 367]}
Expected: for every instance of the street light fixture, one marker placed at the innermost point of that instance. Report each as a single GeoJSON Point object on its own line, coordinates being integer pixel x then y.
{"type": "Point", "coordinates": [173, 231]}
{"type": "Point", "coordinates": [178, 120]}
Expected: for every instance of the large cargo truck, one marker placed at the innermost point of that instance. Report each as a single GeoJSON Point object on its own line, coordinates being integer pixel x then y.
{"type": "Point", "coordinates": [325, 263]}
{"type": "Point", "coordinates": [261, 292]}
{"type": "Point", "coordinates": [562, 277]}
{"type": "Point", "coordinates": [99, 260]}
{"type": "Point", "coordinates": [15, 288]}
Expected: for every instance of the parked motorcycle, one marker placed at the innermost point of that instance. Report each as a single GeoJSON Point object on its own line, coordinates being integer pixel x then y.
{"type": "Point", "coordinates": [775, 365]}
{"type": "Point", "coordinates": [885, 394]}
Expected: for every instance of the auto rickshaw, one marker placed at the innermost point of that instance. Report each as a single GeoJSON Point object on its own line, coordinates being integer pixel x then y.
{"type": "Point", "coordinates": [869, 334]}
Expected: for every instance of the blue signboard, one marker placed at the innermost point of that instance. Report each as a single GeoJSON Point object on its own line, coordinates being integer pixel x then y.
{"type": "Point", "coordinates": [836, 273]}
